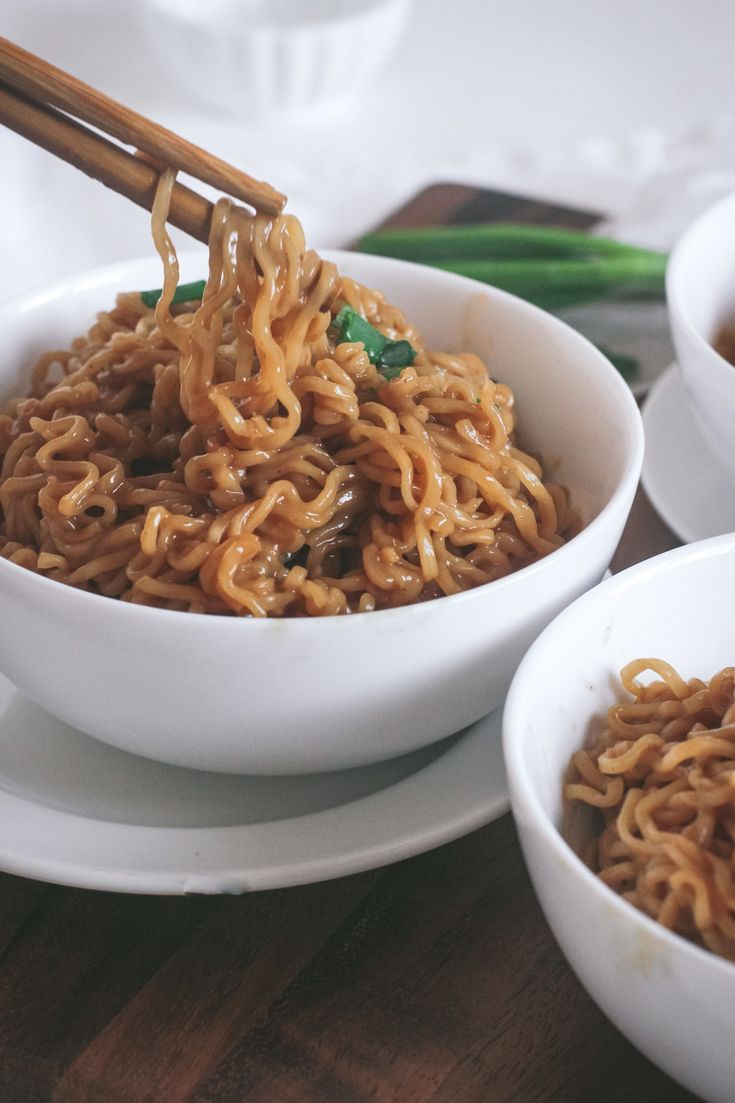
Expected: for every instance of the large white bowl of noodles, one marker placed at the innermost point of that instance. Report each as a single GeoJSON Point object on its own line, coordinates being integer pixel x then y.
{"type": "Point", "coordinates": [669, 996]}
{"type": "Point", "coordinates": [305, 694]}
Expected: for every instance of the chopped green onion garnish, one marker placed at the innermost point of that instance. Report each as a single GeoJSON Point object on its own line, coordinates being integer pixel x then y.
{"type": "Point", "coordinates": [389, 357]}
{"type": "Point", "coordinates": [353, 327]}
{"type": "Point", "coordinates": [395, 356]}
{"type": "Point", "coordinates": [185, 293]}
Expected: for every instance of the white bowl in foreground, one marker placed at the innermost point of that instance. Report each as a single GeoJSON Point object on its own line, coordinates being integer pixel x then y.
{"type": "Point", "coordinates": [299, 695]}
{"type": "Point", "coordinates": [700, 291]}
{"type": "Point", "coordinates": [672, 999]}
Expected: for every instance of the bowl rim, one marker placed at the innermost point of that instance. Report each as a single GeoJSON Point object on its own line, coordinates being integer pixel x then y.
{"type": "Point", "coordinates": [525, 802]}
{"type": "Point", "coordinates": [677, 274]}
{"type": "Point", "coordinates": [97, 277]}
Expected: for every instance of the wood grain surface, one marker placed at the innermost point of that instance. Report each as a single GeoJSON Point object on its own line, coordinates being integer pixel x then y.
{"type": "Point", "coordinates": [436, 979]}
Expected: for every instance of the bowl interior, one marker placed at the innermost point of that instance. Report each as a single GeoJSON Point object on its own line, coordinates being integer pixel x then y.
{"type": "Point", "coordinates": [679, 607]}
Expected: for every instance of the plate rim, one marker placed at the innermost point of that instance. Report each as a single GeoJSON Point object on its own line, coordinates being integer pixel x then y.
{"type": "Point", "coordinates": [683, 527]}
{"type": "Point", "coordinates": [356, 835]}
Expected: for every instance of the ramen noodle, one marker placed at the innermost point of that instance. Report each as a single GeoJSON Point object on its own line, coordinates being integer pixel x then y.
{"type": "Point", "coordinates": [280, 444]}
{"type": "Point", "coordinates": [661, 777]}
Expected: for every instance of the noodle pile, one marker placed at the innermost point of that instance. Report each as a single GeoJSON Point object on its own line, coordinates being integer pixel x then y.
{"type": "Point", "coordinates": [663, 775]}
{"type": "Point", "coordinates": [230, 456]}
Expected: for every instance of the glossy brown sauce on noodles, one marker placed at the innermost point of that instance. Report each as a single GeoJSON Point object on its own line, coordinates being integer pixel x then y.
{"type": "Point", "coordinates": [661, 774]}
{"type": "Point", "coordinates": [228, 456]}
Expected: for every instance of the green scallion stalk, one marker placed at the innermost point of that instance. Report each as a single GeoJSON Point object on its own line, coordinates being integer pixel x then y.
{"type": "Point", "coordinates": [549, 266]}
{"type": "Point", "coordinates": [638, 276]}
{"type": "Point", "coordinates": [489, 241]}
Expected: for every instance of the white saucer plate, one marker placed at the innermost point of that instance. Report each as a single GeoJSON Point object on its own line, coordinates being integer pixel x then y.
{"type": "Point", "coordinates": [682, 477]}
{"type": "Point", "coordinates": [75, 811]}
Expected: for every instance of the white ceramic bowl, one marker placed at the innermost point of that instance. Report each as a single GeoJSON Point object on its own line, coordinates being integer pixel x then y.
{"type": "Point", "coordinates": [264, 58]}
{"type": "Point", "coordinates": [670, 998]}
{"type": "Point", "coordinates": [700, 290]}
{"type": "Point", "coordinates": [289, 696]}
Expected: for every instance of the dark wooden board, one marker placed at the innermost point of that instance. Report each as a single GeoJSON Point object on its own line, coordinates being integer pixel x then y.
{"type": "Point", "coordinates": [435, 979]}
{"type": "Point", "coordinates": [456, 203]}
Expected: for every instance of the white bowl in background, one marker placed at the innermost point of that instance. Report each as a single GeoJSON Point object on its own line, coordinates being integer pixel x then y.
{"type": "Point", "coordinates": [262, 58]}
{"type": "Point", "coordinates": [306, 694]}
{"type": "Point", "coordinates": [700, 291]}
{"type": "Point", "coordinates": [668, 996]}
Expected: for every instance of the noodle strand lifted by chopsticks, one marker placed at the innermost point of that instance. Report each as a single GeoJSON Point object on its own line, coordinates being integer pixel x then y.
{"type": "Point", "coordinates": [232, 456]}
{"type": "Point", "coordinates": [662, 774]}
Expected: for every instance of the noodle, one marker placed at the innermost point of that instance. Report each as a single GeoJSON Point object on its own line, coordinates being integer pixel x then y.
{"type": "Point", "coordinates": [662, 773]}
{"type": "Point", "coordinates": [232, 456]}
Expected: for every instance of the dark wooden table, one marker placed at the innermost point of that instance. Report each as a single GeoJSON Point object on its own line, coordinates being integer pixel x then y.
{"type": "Point", "coordinates": [436, 979]}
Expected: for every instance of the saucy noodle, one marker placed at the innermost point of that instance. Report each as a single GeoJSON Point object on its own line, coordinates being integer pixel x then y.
{"type": "Point", "coordinates": [231, 455]}
{"type": "Point", "coordinates": [661, 775]}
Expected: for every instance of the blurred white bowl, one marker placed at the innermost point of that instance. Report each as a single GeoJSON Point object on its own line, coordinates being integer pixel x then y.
{"type": "Point", "coordinates": [262, 58]}
{"type": "Point", "coordinates": [294, 695]}
{"type": "Point", "coordinates": [669, 997]}
{"type": "Point", "coordinates": [700, 289]}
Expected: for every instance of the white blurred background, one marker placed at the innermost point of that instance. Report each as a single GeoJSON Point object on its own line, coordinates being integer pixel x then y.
{"type": "Point", "coordinates": [625, 106]}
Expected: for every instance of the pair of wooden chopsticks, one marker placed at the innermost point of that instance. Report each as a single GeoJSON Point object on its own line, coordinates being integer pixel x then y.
{"type": "Point", "coordinates": [45, 104]}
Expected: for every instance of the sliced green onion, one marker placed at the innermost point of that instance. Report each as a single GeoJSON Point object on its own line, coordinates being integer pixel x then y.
{"type": "Point", "coordinates": [353, 327]}
{"type": "Point", "coordinates": [185, 293]}
{"type": "Point", "coordinates": [395, 356]}
{"type": "Point", "coordinates": [390, 357]}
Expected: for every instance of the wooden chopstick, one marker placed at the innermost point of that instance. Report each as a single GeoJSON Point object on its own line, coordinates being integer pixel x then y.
{"type": "Point", "coordinates": [29, 82]}
{"type": "Point", "coordinates": [111, 164]}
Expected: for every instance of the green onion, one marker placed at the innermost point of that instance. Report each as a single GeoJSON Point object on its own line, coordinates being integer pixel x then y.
{"type": "Point", "coordinates": [637, 275]}
{"type": "Point", "coordinates": [548, 266]}
{"type": "Point", "coordinates": [488, 240]}
{"type": "Point", "coordinates": [395, 356]}
{"type": "Point", "coordinates": [390, 357]}
{"type": "Point", "coordinates": [353, 328]}
{"type": "Point", "coordinates": [185, 293]}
